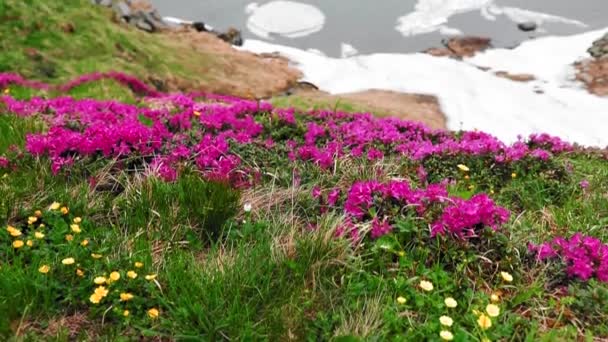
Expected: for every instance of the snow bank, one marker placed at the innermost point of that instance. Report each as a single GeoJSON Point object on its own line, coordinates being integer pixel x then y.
{"type": "Point", "coordinates": [432, 15]}
{"type": "Point", "coordinates": [472, 98]}
{"type": "Point", "coordinates": [285, 18]}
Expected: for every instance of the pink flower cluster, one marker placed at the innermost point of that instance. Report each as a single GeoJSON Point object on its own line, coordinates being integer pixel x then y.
{"type": "Point", "coordinates": [167, 130]}
{"type": "Point", "coordinates": [463, 217]}
{"type": "Point", "coordinates": [133, 83]}
{"type": "Point", "coordinates": [446, 215]}
{"type": "Point", "coordinates": [584, 256]}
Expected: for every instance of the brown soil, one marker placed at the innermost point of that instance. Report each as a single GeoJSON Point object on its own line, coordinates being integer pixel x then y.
{"type": "Point", "coordinates": [414, 107]}
{"type": "Point", "coordinates": [594, 74]}
{"type": "Point", "coordinates": [235, 72]}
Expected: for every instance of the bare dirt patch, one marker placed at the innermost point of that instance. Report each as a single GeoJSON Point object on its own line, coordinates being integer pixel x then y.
{"type": "Point", "coordinates": [460, 47]}
{"type": "Point", "coordinates": [232, 71]}
{"type": "Point", "coordinates": [414, 107]}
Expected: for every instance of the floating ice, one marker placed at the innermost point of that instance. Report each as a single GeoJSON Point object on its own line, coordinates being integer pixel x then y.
{"type": "Point", "coordinates": [285, 18]}
{"type": "Point", "coordinates": [433, 15]}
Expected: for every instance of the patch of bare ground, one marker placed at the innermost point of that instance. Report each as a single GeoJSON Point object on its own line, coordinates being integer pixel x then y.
{"type": "Point", "coordinates": [515, 77]}
{"type": "Point", "coordinates": [460, 47]}
{"type": "Point", "coordinates": [414, 107]}
{"type": "Point", "coordinates": [231, 71]}
{"type": "Point", "coordinates": [594, 74]}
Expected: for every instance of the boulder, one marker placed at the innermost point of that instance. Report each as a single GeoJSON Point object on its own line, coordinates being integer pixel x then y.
{"type": "Point", "coordinates": [467, 46]}
{"type": "Point", "coordinates": [527, 26]}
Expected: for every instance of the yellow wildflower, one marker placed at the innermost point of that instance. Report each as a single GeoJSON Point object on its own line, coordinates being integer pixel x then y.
{"type": "Point", "coordinates": [64, 210]}
{"type": "Point", "coordinates": [139, 264]}
{"type": "Point", "coordinates": [41, 225]}
{"type": "Point", "coordinates": [463, 167]}
{"type": "Point", "coordinates": [29, 243]}
{"type": "Point", "coordinates": [125, 297]}
{"type": "Point", "coordinates": [13, 231]}
{"type": "Point", "coordinates": [401, 300]}
{"type": "Point", "coordinates": [38, 213]}
{"type": "Point", "coordinates": [484, 322]}
{"type": "Point", "coordinates": [153, 313]}
{"type": "Point", "coordinates": [79, 272]}
{"type": "Point", "coordinates": [39, 235]}
{"type": "Point", "coordinates": [99, 280]}
{"type": "Point", "coordinates": [95, 298]}
{"type": "Point", "coordinates": [69, 237]}
{"type": "Point", "coordinates": [506, 276]}
{"type": "Point", "coordinates": [84, 243]}
{"type": "Point", "coordinates": [401, 253]}
{"type": "Point", "coordinates": [44, 269]}
{"type": "Point", "coordinates": [114, 276]}
{"type": "Point", "coordinates": [467, 177]}
{"type": "Point", "coordinates": [494, 297]}
{"type": "Point", "coordinates": [450, 302]}
{"type": "Point", "coordinates": [75, 228]}
{"type": "Point", "coordinates": [132, 274]}
{"type": "Point", "coordinates": [196, 113]}
{"type": "Point", "coordinates": [77, 220]}
{"type": "Point", "coordinates": [96, 256]}
{"type": "Point", "coordinates": [426, 285]}
{"type": "Point", "coordinates": [446, 320]}
{"type": "Point", "coordinates": [68, 261]}
{"type": "Point", "coordinates": [514, 175]}
{"type": "Point", "coordinates": [446, 335]}
{"type": "Point", "coordinates": [55, 206]}
{"type": "Point", "coordinates": [101, 291]}
{"type": "Point", "coordinates": [126, 313]}
{"type": "Point", "coordinates": [493, 310]}
{"type": "Point", "coordinates": [7, 91]}
{"type": "Point", "coordinates": [32, 220]}
{"type": "Point", "coordinates": [17, 244]}
{"type": "Point", "coordinates": [151, 277]}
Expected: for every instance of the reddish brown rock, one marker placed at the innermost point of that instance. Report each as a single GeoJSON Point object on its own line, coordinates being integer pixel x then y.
{"type": "Point", "coordinates": [515, 77]}
{"type": "Point", "coordinates": [467, 46]}
{"type": "Point", "coordinates": [460, 47]}
{"type": "Point", "coordinates": [594, 74]}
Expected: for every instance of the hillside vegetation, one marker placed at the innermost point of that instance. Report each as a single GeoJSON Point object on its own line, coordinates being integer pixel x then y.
{"type": "Point", "coordinates": [129, 213]}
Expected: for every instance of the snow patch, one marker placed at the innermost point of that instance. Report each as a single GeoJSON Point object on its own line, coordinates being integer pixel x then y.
{"type": "Point", "coordinates": [347, 50]}
{"type": "Point", "coordinates": [433, 15]}
{"type": "Point", "coordinates": [472, 98]}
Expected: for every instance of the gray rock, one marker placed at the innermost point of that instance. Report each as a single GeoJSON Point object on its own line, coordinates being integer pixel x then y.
{"type": "Point", "coordinates": [232, 36]}
{"type": "Point", "coordinates": [200, 26]}
{"type": "Point", "coordinates": [122, 10]}
{"type": "Point", "coordinates": [144, 25]}
{"type": "Point", "coordinates": [106, 3]}
{"type": "Point", "coordinates": [527, 26]}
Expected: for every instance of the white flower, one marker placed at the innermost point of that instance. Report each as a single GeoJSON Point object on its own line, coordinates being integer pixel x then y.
{"type": "Point", "coordinates": [446, 320]}
{"type": "Point", "coordinates": [446, 335]}
{"type": "Point", "coordinates": [247, 207]}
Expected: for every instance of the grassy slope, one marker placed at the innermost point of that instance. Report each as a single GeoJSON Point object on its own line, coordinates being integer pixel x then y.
{"type": "Point", "coordinates": [37, 44]}
{"type": "Point", "coordinates": [269, 279]}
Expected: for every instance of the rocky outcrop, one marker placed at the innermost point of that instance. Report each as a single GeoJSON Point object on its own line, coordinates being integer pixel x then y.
{"type": "Point", "coordinates": [599, 49]}
{"type": "Point", "coordinates": [460, 47]}
{"type": "Point", "coordinates": [142, 15]}
{"type": "Point", "coordinates": [594, 74]}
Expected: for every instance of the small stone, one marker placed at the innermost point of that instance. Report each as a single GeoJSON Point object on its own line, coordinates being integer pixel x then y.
{"type": "Point", "coordinates": [232, 36]}
{"type": "Point", "coordinates": [199, 26]}
{"type": "Point", "coordinates": [527, 26]}
{"type": "Point", "coordinates": [122, 10]}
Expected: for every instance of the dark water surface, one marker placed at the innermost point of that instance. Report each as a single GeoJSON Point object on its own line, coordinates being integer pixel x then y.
{"type": "Point", "coordinates": [369, 25]}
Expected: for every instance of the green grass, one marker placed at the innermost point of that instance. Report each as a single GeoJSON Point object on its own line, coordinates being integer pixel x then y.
{"type": "Point", "coordinates": [224, 274]}
{"type": "Point", "coordinates": [36, 45]}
